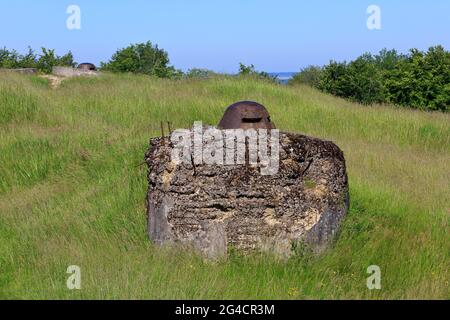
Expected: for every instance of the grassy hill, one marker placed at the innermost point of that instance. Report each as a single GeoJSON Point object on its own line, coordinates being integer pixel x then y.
{"type": "Point", "coordinates": [72, 193]}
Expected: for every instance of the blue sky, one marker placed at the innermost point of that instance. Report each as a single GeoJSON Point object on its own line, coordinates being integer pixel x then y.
{"type": "Point", "coordinates": [273, 35]}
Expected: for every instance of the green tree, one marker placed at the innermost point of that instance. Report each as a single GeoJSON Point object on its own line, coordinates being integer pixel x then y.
{"type": "Point", "coordinates": [141, 58]}
{"type": "Point", "coordinates": [335, 79]}
{"type": "Point", "coordinates": [66, 60]}
{"type": "Point", "coordinates": [365, 80]}
{"type": "Point", "coordinates": [9, 58]}
{"type": "Point", "coordinates": [246, 70]}
{"type": "Point", "coordinates": [388, 59]}
{"type": "Point", "coordinates": [418, 79]}
{"type": "Point", "coordinates": [251, 71]}
{"type": "Point", "coordinates": [45, 62]}
{"type": "Point", "coordinates": [49, 59]}
{"type": "Point", "coordinates": [29, 60]}
{"type": "Point", "coordinates": [310, 75]}
{"type": "Point", "coordinates": [421, 80]}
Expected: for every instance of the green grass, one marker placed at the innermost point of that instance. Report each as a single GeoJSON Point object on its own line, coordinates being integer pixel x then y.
{"type": "Point", "coordinates": [72, 193]}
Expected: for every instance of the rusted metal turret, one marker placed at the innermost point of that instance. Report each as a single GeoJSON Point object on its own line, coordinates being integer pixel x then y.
{"type": "Point", "coordinates": [246, 115]}
{"type": "Point", "coordinates": [87, 66]}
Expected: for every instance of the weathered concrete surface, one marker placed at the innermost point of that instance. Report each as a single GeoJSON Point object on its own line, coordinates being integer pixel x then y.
{"type": "Point", "coordinates": [72, 72]}
{"type": "Point", "coordinates": [215, 208]}
{"type": "Point", "coordinates": [20, 70]}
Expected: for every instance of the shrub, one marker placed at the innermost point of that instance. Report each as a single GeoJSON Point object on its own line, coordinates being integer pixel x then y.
{"type": "Point", "coordinates": [142, 58]}
{"type": "Point", "coordinates": [418, 79]}
{"type": "Point", "coordinates": [200, 73]}
{"type": "Point", "coordinates": [44, 63]}
{"type": "Point", "coordinates": [49, 59]}
{"type": "Point", "coordinates": [9, 58]}
{"type": "Point", "coordinates": [29, 60]}
{"type": "Point", "coordinates": [422, 80]}
{"type": "Point", "coordinates": [310, 75]}
{"type": "Point", "coordinates": [335, 79]}
{"type": "Point", "coordinates": [250, 71]}
{"type": "Point", "coordinates": [366, 83]}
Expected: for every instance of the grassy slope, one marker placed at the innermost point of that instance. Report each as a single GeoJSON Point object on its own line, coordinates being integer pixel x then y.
{"type": "Point", "coordinates": [71, 193]}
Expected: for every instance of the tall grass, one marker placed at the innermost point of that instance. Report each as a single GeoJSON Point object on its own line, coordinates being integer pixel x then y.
{"type": "Point", "coordinates": [72, 193]}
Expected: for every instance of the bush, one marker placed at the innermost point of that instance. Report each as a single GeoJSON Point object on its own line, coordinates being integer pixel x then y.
{"type": "Point", "coordinates": [200, 73]}
{"type": "Point", "coordinates": [142, 58]}
{"type": "Point", "coordinates": [49, 59]}
{"type": "Point", "coordinates": [419, 79]}
{"type": "Point", "coordinates": [335, 79]}
{"type": "Point", "coordinates": [310, 75]}
{"type": "Point", "coordinates": [11, 59]}
{"type": "Point", "coordinates": [29, 60]}
{"type": "Point", "coordinates": [250, 71]}
{"type": "Point", "coordinates": [422, 80]}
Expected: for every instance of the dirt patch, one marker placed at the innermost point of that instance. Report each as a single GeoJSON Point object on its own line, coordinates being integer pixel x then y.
{"type": "Point", "coordinates": [53, 81]}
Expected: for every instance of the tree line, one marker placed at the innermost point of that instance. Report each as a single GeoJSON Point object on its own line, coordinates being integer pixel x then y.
{"type": "Point", "coordinates": [418, 79]}
{"type": "Point", "coordinates": [44, 62]}
{"type": "Point", "coordinates": [144, 58]}
{"type": "Point", "coordinates": [141, 58]}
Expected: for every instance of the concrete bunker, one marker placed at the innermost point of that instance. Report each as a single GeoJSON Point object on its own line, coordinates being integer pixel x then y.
{"type": "Point", "coordinates": [215, 208]}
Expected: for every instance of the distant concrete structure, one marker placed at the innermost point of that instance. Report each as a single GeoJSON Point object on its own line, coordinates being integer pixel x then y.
{"type": "Point", "coordinates": [20, 70]}
{"type": "Point", "coordinates": [221, 207]}
{"type": "Point", "coordinates": [72, 72]}
{"type": "Point", "coordinates": [86, 66]}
